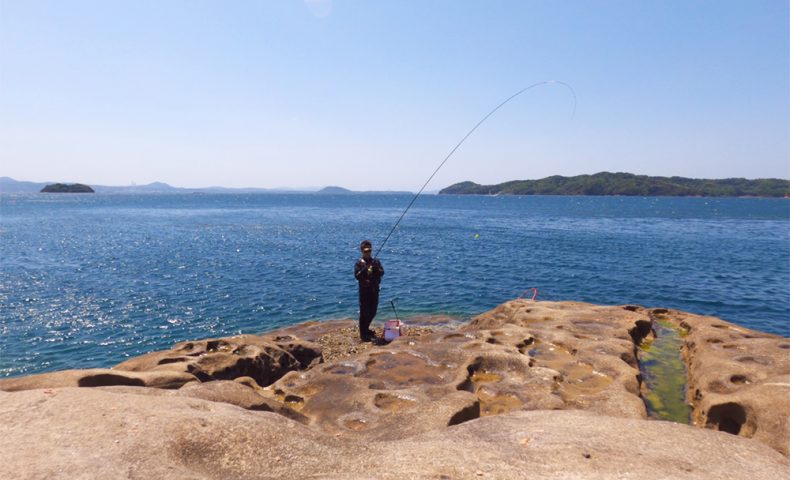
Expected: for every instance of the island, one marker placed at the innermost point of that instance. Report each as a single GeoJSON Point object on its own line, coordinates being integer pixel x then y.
{"type": "Point", "coordinates": [67, 188]}
{"type": "Point", "coordinates": [530, 389]}
{"type": "Point", "coordinates": [628, 184]}
{"type": "Point", "coordinates": [9, 185]}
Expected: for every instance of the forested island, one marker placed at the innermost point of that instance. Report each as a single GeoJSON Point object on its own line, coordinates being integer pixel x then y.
{"type": "Point", "coordinates": [606, 183]}
{"type": "Point", "coordinates": [67, 188]}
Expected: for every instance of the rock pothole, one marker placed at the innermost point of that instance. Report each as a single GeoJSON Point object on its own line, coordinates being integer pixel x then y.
{"type": "Point", "coordinates": [394, 403]}
{"type": "Point", "coordinates": [727, 417]}
{"type": "Point", "coordinates": [398, 370]}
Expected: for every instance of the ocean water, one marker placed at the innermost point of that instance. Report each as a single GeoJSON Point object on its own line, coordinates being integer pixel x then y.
{"type": "Point", "coordinates": [89, 280]}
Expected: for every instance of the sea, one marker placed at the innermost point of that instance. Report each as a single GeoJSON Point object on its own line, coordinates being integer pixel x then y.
{"type": "Point", "coordinates": [88, 280]}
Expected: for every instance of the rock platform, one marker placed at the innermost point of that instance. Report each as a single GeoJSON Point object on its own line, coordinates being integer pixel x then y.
{"type": "Point", "coordinates": [526, 390]}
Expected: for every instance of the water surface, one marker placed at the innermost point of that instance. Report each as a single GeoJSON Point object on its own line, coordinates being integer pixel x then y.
{"type": "Point", "coordinates": [88, 280]}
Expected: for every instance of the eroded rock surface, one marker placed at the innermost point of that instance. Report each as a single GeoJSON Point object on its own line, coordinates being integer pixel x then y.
{"type": "Point", "coordinates": [537, 389]}
{"type": "Point", "coordinates": [243, 393]}
{"type": "Point", "coordinates": [94, 433]}
{"type": "Point", "coordinates": [97, 377]}
{"type": "Point", "coordinates": [340, 338]}
{"type": "Point", "coordinates": [588, 349]}
{"type": "Point", "coordinates": [492, 366]}
{"type": "Point", "coordinates": [264, 358]}
{"type": "Point", "coordinates": [739, 379]}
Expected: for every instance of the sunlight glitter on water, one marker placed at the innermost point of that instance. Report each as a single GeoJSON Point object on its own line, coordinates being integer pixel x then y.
{"type": "Point", "coordinates": [107, 272]}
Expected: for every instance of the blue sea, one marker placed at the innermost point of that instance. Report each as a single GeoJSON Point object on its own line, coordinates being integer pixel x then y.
{"type": "Point", "coordinates": [90, 280]}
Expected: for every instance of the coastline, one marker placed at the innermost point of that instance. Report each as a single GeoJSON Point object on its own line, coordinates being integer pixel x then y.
{"type": "Point", "coordinates": [528, 369]}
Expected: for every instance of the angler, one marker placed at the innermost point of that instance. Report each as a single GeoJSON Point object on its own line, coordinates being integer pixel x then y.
{"type": "Point", "coordinates": [368, 272]}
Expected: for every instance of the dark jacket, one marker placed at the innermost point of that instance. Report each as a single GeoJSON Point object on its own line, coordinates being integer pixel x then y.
{"type": "Point", "coordinates": [368, 280]}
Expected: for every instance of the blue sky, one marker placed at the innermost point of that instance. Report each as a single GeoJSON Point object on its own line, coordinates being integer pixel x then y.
{"type": "Point", "coordinates": [372, 95]}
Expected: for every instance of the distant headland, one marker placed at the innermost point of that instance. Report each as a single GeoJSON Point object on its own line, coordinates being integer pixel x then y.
{"type": "Point", "coordinates": [67, 188]}
{"type": "Point", "coordinates": [628, 184]}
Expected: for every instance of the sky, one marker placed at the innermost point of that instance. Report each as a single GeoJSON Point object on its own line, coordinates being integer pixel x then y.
{"type": "Point", "coordinates": [373, 95]}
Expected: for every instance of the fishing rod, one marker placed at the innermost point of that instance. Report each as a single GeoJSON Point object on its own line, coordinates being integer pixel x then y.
{"type": "Point", "coordinates": [468, 134]}
{"type": "Point", "coordinates": [392, 302]}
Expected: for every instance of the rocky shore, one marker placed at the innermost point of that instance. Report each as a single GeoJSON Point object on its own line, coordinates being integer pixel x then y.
{"type": "Point", "coordinates": [527, 390]}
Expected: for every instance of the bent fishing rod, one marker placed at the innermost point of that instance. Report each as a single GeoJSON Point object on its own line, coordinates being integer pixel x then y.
{"type": "Point", "coordinates": [461, 142]}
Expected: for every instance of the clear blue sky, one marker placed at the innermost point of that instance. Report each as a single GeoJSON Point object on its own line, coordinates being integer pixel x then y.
{"type": "Point", "coordinates": [372, 95]}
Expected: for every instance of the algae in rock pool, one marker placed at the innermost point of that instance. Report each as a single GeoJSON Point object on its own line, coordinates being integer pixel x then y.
{"type": "Point", "coordinates": [664, 374]}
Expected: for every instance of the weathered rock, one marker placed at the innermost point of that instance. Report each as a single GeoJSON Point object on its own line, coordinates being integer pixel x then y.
{"type": "Point", "coordinates": [500, 397]}
{"type": "Point", "coordinates": [739, 379]}
{"type": "Point", "coordinates": [221, 391]}
{"type": "Point", "coordinates": [591, 347]}
{"type": "Point", "coordinates": [340, 338]}
{"type": "Point", "coordinates": [263, 358]}
{"type": "Point", "coordinates": [97, 377]}
{"type": "Point", "coordinates": [92, 433]}
{"type": "Point", "coordinates": [418, 384]}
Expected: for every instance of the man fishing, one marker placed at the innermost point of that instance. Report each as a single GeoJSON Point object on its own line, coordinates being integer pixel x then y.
{"type": "Point", "coordinates": [368, 272]}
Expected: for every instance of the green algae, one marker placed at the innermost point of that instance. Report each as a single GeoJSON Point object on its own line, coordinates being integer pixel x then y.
{"type": "Point", "coordinates": [664, 374]}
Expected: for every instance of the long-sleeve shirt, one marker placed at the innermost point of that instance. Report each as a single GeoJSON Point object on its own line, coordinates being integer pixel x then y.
{"type": "Point", "coordinates": [368, 280]}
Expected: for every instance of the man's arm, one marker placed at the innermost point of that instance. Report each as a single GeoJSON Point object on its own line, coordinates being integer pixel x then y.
{"type": "Point", "coordinates": [379, 268]}
{"type": "Point", "coordinates": [359, 269]}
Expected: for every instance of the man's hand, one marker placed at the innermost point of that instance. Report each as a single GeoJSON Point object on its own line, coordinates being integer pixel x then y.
{"type": "Point", "coordinates": [370, 269]}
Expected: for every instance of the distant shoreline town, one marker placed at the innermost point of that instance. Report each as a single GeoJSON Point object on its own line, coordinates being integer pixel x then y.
{"type": "Point", "coordinates": [599, 184]}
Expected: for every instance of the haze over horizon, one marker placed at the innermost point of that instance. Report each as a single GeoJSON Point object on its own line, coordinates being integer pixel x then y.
{"type": "Point", "coordinates": [372, 96]}
{"type": "Point", "coordinates": [297, 189]}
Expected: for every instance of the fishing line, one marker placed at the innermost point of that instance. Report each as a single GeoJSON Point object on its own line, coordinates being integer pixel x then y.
{"type": "Point", "coordinates": [546, 82]}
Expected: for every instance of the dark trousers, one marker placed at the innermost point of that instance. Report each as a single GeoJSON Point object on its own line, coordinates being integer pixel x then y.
{"type": "Point", "coordinates": [368, 305]}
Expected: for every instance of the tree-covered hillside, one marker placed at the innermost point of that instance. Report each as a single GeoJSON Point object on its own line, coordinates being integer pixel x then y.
{"type": "Point", "coordinates": [606, 183]}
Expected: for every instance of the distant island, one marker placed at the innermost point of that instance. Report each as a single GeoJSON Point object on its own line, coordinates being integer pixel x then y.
{"type": "Point", "coordinates": [628, 184]}
{"type": "Point", "coordinates": [67, 188]}
{"type": "Point", "coordinates": [9, 185]}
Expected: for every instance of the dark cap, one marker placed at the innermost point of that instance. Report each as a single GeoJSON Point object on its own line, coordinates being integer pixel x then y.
{"type": "Point", "coordinates": [366, 246]}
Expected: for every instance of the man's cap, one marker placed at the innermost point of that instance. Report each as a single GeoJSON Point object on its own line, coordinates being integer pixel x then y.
{"type": "Point", "coordinates": [366, 246]}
